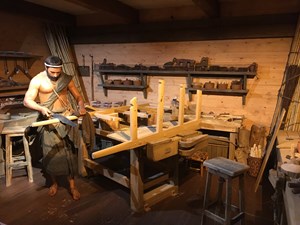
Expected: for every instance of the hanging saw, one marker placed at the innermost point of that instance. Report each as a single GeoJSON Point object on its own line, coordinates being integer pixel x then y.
{"type": "Point", "coordinates": [6, 71]}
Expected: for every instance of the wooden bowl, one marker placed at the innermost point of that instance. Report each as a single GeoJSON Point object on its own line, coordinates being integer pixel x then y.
{"type": "Point", "coordinates": [197, 85]}
{"type": "Point", "coordinates": [128, 82]}
{"type": "Point", "coordinates": [222, 86]}
{"type": "Point", "coordinates": [209, 85]}
{"type": "Point", "coordinates": [236, 86]}
{"type": "Point", "coordinates": [117, 82]}
{"type": "Point", "coordinates": [137, 82]}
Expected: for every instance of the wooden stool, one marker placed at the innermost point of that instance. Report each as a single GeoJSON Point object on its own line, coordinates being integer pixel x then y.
{"type": "Point", "coordinates": [16, 162]}
{"type": "Point", "coordinates": [226, 170]}
{"type": "Point", "coordinates": [198, 157]}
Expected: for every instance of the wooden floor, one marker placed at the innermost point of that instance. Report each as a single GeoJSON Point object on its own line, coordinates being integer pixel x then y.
{"type": "Point", "coordinates": [104, 202]}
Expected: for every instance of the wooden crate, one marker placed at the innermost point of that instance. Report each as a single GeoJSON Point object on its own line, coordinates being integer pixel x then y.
{"type": "Point", "coordinates": [217, 146]}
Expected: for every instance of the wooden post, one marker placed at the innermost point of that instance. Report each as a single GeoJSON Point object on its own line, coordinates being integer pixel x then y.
{"type": "Point", "coordinates": [133, 119]}
{"type": "Point", "coordinates": [181, 104]}
{"type": "Point", "coordinates": [160, 108]}
{"type": "Point", "coordinates": [198, 105]}
{"type": "Point", "coordinates": [136, 182]}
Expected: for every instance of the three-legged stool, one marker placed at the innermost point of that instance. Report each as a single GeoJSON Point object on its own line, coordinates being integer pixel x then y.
{"type": "Point", "coordinates": [16, 162]}
{"type": "Point", "coordinates": [226, 170]}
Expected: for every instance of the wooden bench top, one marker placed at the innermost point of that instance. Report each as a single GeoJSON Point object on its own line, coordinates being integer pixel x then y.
{"type": "Point", "coordinates": [226, 166]}
{"type": "Point", "coordinates": [13, 130]}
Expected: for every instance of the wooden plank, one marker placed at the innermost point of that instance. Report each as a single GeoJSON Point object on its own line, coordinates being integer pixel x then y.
{"type": "Point", "coordinates": [269, 149]}
{"type": "Point", "coordinates": [51, 121]}
{"type": "Point", "coordinates": [120, 179]}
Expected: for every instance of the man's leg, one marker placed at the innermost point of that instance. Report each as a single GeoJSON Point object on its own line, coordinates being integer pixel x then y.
{"type": "Point", "coordinates": [75, 193]}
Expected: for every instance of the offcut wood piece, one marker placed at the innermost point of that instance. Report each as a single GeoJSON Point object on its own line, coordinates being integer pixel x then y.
{"type": "Point", "coordinates": [16, 162]}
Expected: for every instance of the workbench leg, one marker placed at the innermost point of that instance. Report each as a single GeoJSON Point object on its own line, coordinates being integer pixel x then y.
{"type": "Point", "coordinates": [232, 139]}
{"type": "Point", "coordinates": [136, 183]}
{"type": "Point", "coordinates": [2, 161]}
{"type": "Point", "coordinates": [8, 160]}
{"type": "Point", "coordinates": [82, 155]}
{"type": "Point", "coordinates": [28, 159]}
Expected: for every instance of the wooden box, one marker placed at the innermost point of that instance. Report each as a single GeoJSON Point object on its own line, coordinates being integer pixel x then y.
{"type": "Point", "coordinates": [162, 148]}
{"type": "Point", "coordinates": [217, 146]}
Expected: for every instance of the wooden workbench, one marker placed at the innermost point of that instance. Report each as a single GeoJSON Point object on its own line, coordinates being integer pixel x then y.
{"type": "Point", "coordinates": [206, 123]}
{"type": "Point", "coordinates": [286, 139]}
{"type": "Point", "coordinates": [139, 200]}
{"type": "Point", "coordinates": [14, 121]}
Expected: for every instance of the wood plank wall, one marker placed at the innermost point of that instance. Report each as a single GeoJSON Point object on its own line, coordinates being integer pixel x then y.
{"type": "Point", "coordinates": [22, 34]}
{"type": "Point", "coordinates": [26, 34]}
{"type": "Point", "coordinates": [269, 54]}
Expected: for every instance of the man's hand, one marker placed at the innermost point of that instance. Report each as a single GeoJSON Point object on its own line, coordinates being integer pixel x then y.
{"type": "Point", "coordinates": [46, 112]}
{"type": "Point", "coordinates": [82, 111]}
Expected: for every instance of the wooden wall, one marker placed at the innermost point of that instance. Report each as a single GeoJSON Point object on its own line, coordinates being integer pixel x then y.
{"type": "Point", "coordinates": [26, 34]}
{"type": "Point", "coordinates": [22, 34]}
{"type": "Point", "coordinates": [269, 54]}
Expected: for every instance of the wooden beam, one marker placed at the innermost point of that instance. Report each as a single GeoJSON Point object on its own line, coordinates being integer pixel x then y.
{"type": "Point", "coordinates": [37, 12]}
{"type": "Point", "coordinates": [267, 26]}
{"type": "Point", "coordinates": [210, 8]}
{"type": "Point", "coordinates": [111, 6]}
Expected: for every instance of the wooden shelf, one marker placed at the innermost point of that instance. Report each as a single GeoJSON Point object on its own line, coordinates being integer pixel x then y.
{"type": "Point", "coordinates": [189, 74]}
{"type": "Point", "coordinates": [183, 73]}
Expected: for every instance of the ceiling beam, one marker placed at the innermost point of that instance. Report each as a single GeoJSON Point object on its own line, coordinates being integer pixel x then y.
{"type": "Point", "coordinates": [267, 26]}
{"type": "Point", "coordinates": [210, 8]}
{"type": "Point", "coordinates": [38, 12]}
{"type": "Point", "coordinates": [112, 6]}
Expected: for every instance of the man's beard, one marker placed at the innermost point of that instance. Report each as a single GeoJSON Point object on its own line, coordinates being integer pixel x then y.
{"type": "Point", "coordinates": [51, 77]}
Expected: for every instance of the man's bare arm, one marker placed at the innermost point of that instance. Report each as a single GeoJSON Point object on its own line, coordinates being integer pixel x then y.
{"type": "Point", "coordinates": [30, 96]}
{"type": "Point", "coordinates": [77, 97]}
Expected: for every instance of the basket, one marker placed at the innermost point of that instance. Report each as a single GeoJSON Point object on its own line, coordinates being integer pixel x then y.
{"type": "Point", "coordinates": [254, 164]}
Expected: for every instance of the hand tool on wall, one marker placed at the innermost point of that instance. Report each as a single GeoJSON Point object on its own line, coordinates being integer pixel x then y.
{"type": "Point", "coordinates": [92, 76]}
{"type": "Point", "coordinates": [84, 70]}
{"type": "Point", "coordinates": [6, 71]}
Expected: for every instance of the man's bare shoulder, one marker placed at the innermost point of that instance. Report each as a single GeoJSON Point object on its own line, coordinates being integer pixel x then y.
{"type": "Point", "coordinates": [37, 79]}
